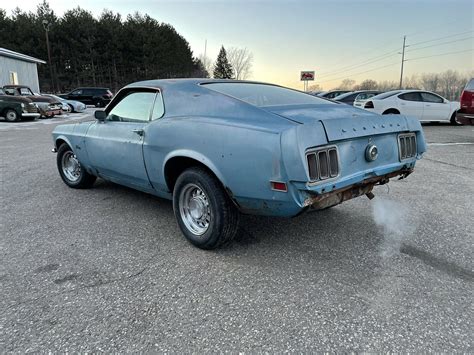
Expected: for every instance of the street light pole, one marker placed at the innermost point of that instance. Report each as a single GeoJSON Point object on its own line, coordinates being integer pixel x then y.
{"type": "Point", "coordinates": [46, 26]}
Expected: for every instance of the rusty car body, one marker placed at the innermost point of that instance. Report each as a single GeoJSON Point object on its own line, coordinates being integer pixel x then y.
{"type": "Point", "coordinates": [218, 148]}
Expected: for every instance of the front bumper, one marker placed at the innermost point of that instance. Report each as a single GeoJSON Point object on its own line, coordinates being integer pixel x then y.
{"type": "Point", "coordinates": [30, 115]}
{"type": "Point", "coordinates": [465, 118]}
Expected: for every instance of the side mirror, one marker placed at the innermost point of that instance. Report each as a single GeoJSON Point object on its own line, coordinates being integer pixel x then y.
{"type": "Point", "coordinates": [100, 115]}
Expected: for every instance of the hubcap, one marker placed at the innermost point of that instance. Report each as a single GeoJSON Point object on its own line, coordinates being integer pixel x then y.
{"type": "Point", "coordinates": [71, 166]}
{"type": "Point", "coordinates": [194, 209]}
{"type": "Point", "coordinates": [11, 116]}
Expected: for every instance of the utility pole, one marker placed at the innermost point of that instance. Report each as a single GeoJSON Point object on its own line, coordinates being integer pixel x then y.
{"type": "Point", "coordinates": [403, 61]}
{"type": "Point", "coordinates": [46, 26]}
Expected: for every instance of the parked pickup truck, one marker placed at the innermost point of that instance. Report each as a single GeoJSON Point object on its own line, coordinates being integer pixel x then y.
{"type": "Point", "coordinates": [15, 108]}
{"type": "Point", "coordinates": [48, 107]}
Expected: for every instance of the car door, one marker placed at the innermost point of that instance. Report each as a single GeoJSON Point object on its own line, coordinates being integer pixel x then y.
{"type": "Point", "coordinates": [75, 95]}
{"type": "Point", "coordinates": [435, 108]}
{"type": "Point", "coordinates": [115, 145]}
{"type": "Point", "coordinates": [411, 104]}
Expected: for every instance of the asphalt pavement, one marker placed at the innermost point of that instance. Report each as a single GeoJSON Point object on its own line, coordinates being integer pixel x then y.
{"type": "Point", "coordinates": [107, 269]}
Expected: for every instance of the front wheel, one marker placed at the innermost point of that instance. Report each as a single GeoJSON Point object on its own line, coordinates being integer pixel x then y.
{"type": "Point", "coordinates": [205, 214]}
{"type": "Point", "coordinates": [71, 170]}
{"type": "Point", "coordinates": [11, 116]}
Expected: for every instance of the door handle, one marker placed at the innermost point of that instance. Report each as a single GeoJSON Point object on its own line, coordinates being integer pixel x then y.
{"type": "Point", "coordinates": [140, 132]}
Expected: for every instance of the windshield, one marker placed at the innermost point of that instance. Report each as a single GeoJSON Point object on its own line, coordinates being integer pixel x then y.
{"type": "Point", "coordinates": [385, 95]}
{"type": "Point", "coordinates": [262, 95]}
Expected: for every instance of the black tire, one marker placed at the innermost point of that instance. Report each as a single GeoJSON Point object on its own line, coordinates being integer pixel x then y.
{"type": "Point", "coordinates": [391, 111]}
{"type": "Point", "coordinates": [11, 115]}
{"type": "Point", "coordinates": [84, 179]}
{"type": "Point", "coordinates": [453, 120]}
{"type": "Point", "coordinates": [99, 103]}
{"type": "Point", "coordinates": [223, 214]}
{"type": "Point", "coordinates": [71, 107]}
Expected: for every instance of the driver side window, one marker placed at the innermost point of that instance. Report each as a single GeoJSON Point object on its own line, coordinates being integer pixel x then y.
{"type": "Point", "coordinates": [135, 107]}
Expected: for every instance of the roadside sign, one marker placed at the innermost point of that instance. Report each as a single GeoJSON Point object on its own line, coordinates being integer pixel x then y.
{"type": "Point", "coordinates": [307, 76]}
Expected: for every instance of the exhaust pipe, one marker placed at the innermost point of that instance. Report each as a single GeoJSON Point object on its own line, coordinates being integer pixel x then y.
{"type": "Point", "coordinates": [370, 195]}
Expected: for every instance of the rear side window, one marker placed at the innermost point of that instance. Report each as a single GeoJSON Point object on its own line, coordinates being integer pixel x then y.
{"type": "Point", "coordinates": [428, 97]}
{"type": "Point", "coordinates": [77, 92]}
{"type": "Point", "coordinates": [411, 96]}
{"type": "Point", "coordinates": [470, 85]}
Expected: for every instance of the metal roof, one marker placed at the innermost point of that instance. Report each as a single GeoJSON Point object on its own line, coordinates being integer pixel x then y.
{"type": "Point", "coordinates": [26, 58]}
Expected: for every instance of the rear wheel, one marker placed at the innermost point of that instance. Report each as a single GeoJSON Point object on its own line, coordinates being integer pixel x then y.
{"type": "Point", "coordinates": [71, 170]}
{"type": "Point", "coordinates": [11, 115]}
{"type": "Point", "coordinates": [205, 214]}
{"type": "Point", "coordinates": [99, 103]}
{"type": "Point", "coordinates": [391, 111]}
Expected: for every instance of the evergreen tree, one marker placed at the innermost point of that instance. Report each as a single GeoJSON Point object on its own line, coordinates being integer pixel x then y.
{"type": "Point", "coordinates": [223, 69]}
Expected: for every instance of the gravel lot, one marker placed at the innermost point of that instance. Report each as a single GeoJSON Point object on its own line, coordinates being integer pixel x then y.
{"type": "Point", "coordinates": [107, 269]}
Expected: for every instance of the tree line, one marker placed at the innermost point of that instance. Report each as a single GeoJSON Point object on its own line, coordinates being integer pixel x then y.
{"type": "Point", "coordinates": [106, 51]}
{"type": "Point", "coordinates": [448, 84]}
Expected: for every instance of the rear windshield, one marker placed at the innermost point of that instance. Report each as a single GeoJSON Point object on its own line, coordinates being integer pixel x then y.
{"type": "Point", "coordinates": [385, 95]}
{"type": "Point", "coordinates": [470, 85]}
{"type": "Point", "coordinates": [262, 95]}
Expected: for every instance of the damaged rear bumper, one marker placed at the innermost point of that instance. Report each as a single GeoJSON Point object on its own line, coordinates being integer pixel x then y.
{"type": "Point", "coordinates": [319, 201]}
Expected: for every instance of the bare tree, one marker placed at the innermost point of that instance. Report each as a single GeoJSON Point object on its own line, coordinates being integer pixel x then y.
{"type": "Point", "coordinates": [367, 84]}
{"type": "Point", "coordinates": [315, 87]}
{"type": "Point", "coordinates": [450, 84]}
{"type": "Point", "coordinates": [411, 82]}
{"type": "Point", "coordinates": [387, 85]}
{"type": "Point", "coordinates": [347, 84]}
{"type": "Point", "coordinates": [206, 63]}
{"type": "Point", "coordinates": [241, 60]}
{"type": "Point", "coordinates": [430, 81]}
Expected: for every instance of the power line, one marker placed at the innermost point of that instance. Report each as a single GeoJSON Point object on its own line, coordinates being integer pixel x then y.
{"type": "Point", "coordinates": [440, 44]}
{"type": "Point", "coordinates": [360, 64]}
{"type": "Point", "coordinates": [363, 72]}
{"type": "Point", "coordinates": [440, 38]}
{"type": "Point", "coordinates": [417, 33]}
{"type": "Point", "coordinates": [441, 54]}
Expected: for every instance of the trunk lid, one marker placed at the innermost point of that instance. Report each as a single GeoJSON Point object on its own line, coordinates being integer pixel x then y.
{"type": "Point", "coordinates": [342, 121]}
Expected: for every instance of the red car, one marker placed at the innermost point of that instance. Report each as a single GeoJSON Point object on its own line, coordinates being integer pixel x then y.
{"type": "Point", "coordinates": [465, 114]}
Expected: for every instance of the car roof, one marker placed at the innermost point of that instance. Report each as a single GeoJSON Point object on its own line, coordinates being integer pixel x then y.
{"type": "Point", "coordinates": [84, 87]}
{"type": "Point", "coordinates": [16, 86]}
{"type": "Point", "coordinates": [168, 83]}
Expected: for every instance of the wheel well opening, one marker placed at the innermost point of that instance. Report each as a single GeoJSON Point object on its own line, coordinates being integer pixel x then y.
{"type": "Point", "coordinates": [175, 166]}
{"type": "Point", "coordinates": [391, 110]}
{"type": "Point", "coordinates": [59, 143]}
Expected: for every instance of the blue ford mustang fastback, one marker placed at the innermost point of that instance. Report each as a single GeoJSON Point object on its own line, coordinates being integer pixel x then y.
{"type": "Point", "coordinates": [219, 148]}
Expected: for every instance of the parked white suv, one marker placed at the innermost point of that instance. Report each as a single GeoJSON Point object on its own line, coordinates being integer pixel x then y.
{"type": "Point", "coordinates": [424, 105]}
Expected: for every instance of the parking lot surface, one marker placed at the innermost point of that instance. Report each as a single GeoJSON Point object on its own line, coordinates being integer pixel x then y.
{"type": "Point", "coordinates": [107, 269]}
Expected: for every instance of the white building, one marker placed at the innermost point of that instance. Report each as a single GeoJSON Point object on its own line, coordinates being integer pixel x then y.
{"type": "Point", "coordinates": [19, 69]}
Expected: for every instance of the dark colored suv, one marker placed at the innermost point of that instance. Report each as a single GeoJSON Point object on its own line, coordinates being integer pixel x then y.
{"type": "Point", "coordinates": [99, 97]}
{"type": "Point", "coordinates": [465, 114]}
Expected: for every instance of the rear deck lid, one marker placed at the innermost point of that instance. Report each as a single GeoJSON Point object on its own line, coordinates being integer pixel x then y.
{"type": "Point", "coordinates": [342, 121]}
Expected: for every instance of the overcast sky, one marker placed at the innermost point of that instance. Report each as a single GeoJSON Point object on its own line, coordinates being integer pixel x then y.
{"type": "Point", "coordinates": [338, 39]}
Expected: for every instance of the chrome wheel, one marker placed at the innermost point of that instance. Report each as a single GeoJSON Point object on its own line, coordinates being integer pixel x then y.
{"type": "Point", "coordinates": [194, 209]}
{"type": "Point", "coordinates": [70, 166]}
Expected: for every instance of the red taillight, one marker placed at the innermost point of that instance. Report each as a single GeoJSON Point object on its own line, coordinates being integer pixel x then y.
{"type": "Point", "coordinates": [369, 104]}
{"type": "Point", "coordinates": [278, 186]}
